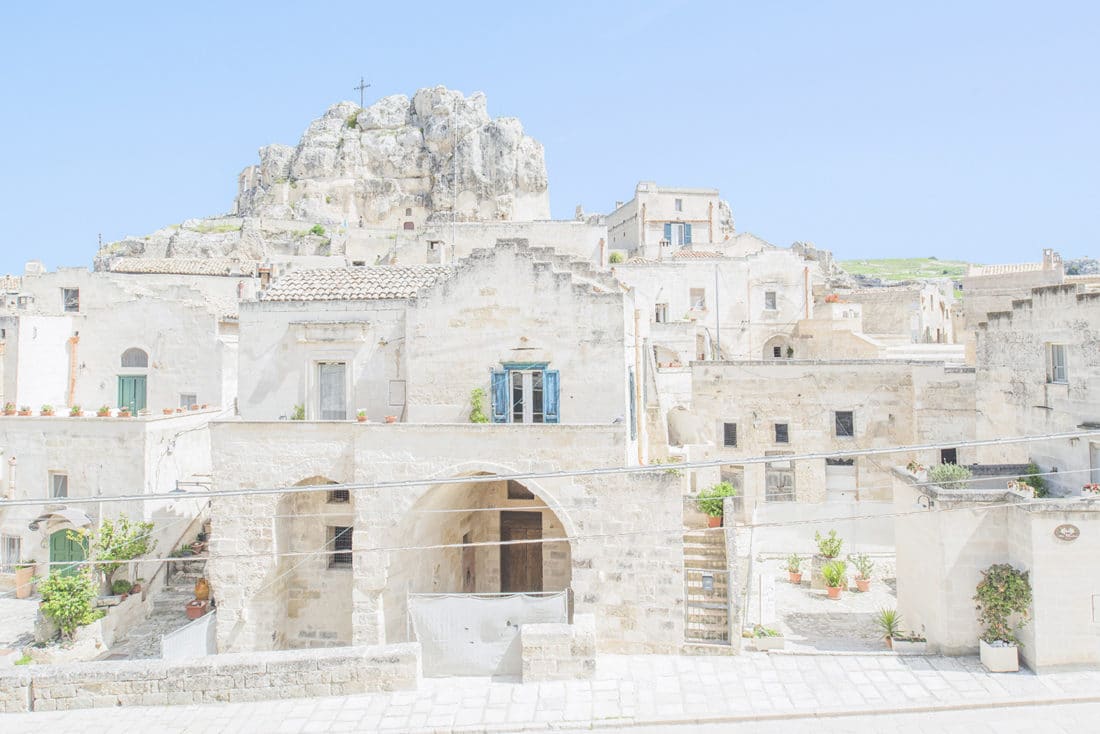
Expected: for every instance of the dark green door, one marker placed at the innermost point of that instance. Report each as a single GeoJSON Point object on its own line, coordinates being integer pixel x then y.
{"type": "Point", "coordinates": [131, 392]}
{"type": "Point", "coordinates": [63, 549]}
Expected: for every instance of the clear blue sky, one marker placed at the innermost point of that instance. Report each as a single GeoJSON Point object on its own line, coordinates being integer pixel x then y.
{"type": "Point", "coordinates": [953, 129]}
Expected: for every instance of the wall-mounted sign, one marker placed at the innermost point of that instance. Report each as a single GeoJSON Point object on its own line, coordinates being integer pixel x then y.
{"type": "Point", "coordinates": [1067, 532]}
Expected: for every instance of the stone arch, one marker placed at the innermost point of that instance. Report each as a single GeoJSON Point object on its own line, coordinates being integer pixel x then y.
{"type": "Point", "coordinates": [135, 358]}
{"type": "Point", "coordinates": [780, 341]}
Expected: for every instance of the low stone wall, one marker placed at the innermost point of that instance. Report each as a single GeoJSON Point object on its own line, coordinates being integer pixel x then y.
{"type": "Point", "coordinates": [90, 641]}
{"type": "Point", "coordinates": [559, 651]}
{"type": "Point", "coordinates": [218, 678]}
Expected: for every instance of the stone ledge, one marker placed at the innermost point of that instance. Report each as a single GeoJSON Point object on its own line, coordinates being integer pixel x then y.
{"type": "Point", "coordinates": [556, 651]}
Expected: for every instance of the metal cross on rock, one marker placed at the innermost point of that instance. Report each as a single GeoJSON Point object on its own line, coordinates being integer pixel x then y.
{"type": "Point", "coordinates": [363, 86]}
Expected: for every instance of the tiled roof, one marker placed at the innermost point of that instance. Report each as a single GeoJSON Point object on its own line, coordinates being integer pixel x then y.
{"type": "Point", "coordinates": [10, 283]}
{"type": "Point", "coordinates": [696, 255]}
{"type": "Point", "coordinates": [179, 266]}
{"type": "Point", "coordinates": [980, 270]}
{"type": "Point", "coordinates": [355, 284]}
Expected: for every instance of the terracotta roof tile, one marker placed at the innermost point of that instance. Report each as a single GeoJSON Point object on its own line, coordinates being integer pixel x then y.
{"type": "Point", "coordinates": [355, 284]}
{"type": "Point", "coordinates": [980, 270]}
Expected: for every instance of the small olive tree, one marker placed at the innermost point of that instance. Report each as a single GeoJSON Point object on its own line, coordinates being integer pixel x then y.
{"type": "Point", "coordinates": [117, 541]}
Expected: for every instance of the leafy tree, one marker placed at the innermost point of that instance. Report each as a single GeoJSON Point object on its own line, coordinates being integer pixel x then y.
{"type": "Point", "coordinates": [477, 406]}
{"type": "Point", "coordinates": [67, 600]}
{"type": "Point", "coordinates": [1002, 592]}
{"type": "Point", "coordinates": [1033, 478]}
{"type": "Point", "coordinates": [117, 541]}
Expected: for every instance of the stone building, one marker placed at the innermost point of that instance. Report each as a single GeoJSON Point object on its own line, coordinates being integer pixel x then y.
{"type": "Point", "coordinates": [660, 220]}
{"type": "Point", "coordinates": [550, 343]}
{"type": "Point", "coordinates": [920, 313]}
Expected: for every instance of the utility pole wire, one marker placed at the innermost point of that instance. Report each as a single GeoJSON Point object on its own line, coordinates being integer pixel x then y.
{"type": "Point", "coordinates": [596, 472]}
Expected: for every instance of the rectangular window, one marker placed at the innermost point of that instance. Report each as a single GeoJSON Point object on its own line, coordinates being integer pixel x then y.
{"type": "Point", "coordinates": [70, 299]}
{"type": "Point", "coordinates": [10, 550]}
{"type": "Point", "coordinates": [339, 496]}
{"type": "Point", "coordinates": [949, 456]}
{"type": "Point", "coordinates": [517, 397]}
{"type": "Point", "coordinates": [845, 423]}
{"type": "Point", "coordinates": [729, 435]}
{"type": "Point", "coordinates": [677, 234]}
{"type": "Point", "coordinates": [777, 352]}
{"type": "Point", "coordinates": [660, 313]}
{"type": "Point", "coordinates": [340, 539]}
{"type": "Point", "coordinates": [697, 297]}
{"type": "Point", "coordinates": [332, 397]}
{"type": "Point", "coordinates": [59, 484]}
{"type": "Point", "coordinates": [528, 396]}
{"type": "Point", "coordinates": [187, 399]}
{"type": "Point", "coordinates": [769, 300]}
{"type": "Point", "coordinates": [679, 203]}
{"type": "Point", "coordinates": [1058, 371]}
{"type": "Point", "coordinates": [781, 433]}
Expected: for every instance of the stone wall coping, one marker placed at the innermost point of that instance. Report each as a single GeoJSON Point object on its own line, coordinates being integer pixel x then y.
{"type": "Point", "coordinates": [1021, 500]}
{"type": "Point", "coordinates": [947, 366]}
{"type": "Point", "coordinates": [472, 427]}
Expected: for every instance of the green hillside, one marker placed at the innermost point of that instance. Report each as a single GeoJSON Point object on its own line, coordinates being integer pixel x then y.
{"type": "Point", "coordinates": [906, 268]}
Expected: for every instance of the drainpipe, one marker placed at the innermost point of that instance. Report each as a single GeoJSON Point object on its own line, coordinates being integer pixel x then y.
{"type": "Point", "coordinates": [11, 478]}
{"type": "Point", "coordinates": [806, 290]}
{"type": "Point", "coordinates": [73, 341]}
{"type": "Point", "coordinates": [639, 408]}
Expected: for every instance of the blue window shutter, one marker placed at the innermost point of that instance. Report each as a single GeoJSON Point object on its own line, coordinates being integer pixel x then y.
{"type": "Point", "coordinates": [551, 388]}
{"type": "Point", "coordinates": [500, 396]}
{"type": "Point", "coordinates": [687, 234]}
{"type": "Point", "coordinates": [668, 231]}
{"type": "Point", "coordinates": [633, 408]}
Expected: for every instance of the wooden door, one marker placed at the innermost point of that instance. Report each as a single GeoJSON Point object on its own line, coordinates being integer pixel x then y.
{"type": "Point", "coordinates": [521, 563]}
{"type": "Point", "coordinates": [131, 392]}
{"type": "Point", "coordinates": [63, 548]}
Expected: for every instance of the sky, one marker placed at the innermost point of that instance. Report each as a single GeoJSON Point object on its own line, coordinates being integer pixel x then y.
{"type": "Point", "coordinates": [959, 130]}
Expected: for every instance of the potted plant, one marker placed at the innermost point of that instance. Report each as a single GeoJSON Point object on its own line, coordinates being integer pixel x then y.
{"type": "Point", "coordinates": [361, 416]}
{"type": "Point", "coordinates": [712, 501]}
{"type": "Point", "coordinates": [765, 638]}
{"type": "Point", "coordinates": [1090, 489]}
{"type": "Point", "coordinates": [121, 587]}
{"type": "Point", "coordinates": [794, 568]}
{"type": "Point", "coordinates": [391, 419]}
{"type": "Point", "coordinates": [836, 577]}
{"type": "Point", "coordinates": [24, 579]}
{"type": "Point", "coordinates": [168, 411]}
{"type": "Point", "coordinates": [124, 412]}
{"type": "Point", "coordinates": [828, 545]}
{"type": "Point", "coordinates": [136, 588]}
{"type": "Point", "coordinates": [889, 622]}
{"type": "Point", "coordinates": [864, 566]}
{"type": "Point", "coordinates": [9, 409]}
{"type": "Point", "coordinates": [1002, 593]}
{"type": "Point", "coordinates": [75, 412]}
{"type": "Point", "coordinates": [25, 410]}
{"type": "Point", "coordinates": [914, 467]}
{"type": "Point", "coordinates": [103, 411]}
{"type": "Point", "coordinates": [196, 608]}
{"type": "Point", "coordinates": [47, 410]}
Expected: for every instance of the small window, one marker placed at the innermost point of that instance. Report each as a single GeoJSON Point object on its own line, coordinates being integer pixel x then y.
{"type": "Point", "coordinates": [660, 313]}
{"type": "Point", "coordinates": [845, 424]}
{"type": "Point", "coordinates": [949, 456]}
{"type": "Point", "coordinates": [782, 435]}
{"type": "Point", "coordinates": [698, 299]}
{"type": "Point", "coordinates": [1058, 372]}
{"type": "Point", "coordinates": [3, 333]}
{"type": "Point", "coordinates": [59, 484]}
{"type": "Point", "coordinates": [10, 552]}
{"type": "Point", "coordinates": [331, 391]}
{"type": "Point", "coordinates": [777, 352]}
{"type": "Point", "coordinates": [339, 496]}
{"type": "Point", "coordinates": [408, 211]}
{"type": "Point", "coordinates": [187, 399]}
{"type": "Point", "coordinates": [679, 204]}
{"type": "Point", "coordinates": [70, 298]}
{"type": "Point", "coordinates": [769, 300]}
{"type": "Point", "coordinates": [358, 263]}
{"type": "Point", "coordinates": [135, 358]}
{"type": "Point", "coordinates": [729, 434]}
{"type": "Point", "coordinates": [340, 539]}
{"type": "Point", "coordinates": [409, 226]}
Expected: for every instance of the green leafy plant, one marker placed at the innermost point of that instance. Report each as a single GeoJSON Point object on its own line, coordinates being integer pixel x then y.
{"type": "Point", "coordinates": [914, 466]}
{"type": "Point", "coordinates": [75, 411]}
{"type": "Point", "coordinates": [828, 545]}
{"type": "Point", "coordinates": [836, 574]}
{"type": "Point", "coordinates": [121, 586]}
{"type": "Point", "coordinates": [103, 410]}
{"type": "Point", "coordinates": [863, 563]}
{"type": "Point", "coordinates": [615, 258]}
{"type": "Point", "coordinates": [361, 414]}
{"type": "Point", "coordinates": [794, 563]}
{"type": "Point", "coordinates": [25, 660]}
{"type": "Point", "coordinates": [759, 630]}
{"type": "Point", "coordinates": [477, 406]}
{"type": "Point", "coordinates": [711, 499]}
{"type": "Point", "coordinates": [949, 476]}
{"type": "Point", "coordinates": [317, 230]}
{"type": "Point", "coordinates": [671, 471]}
{"type": "Point", "coordinates": [889, 621]}
{"type": "Point", "coordinates": [353, 121]}
{"type": "Point", "coordinates": [299, 413]}
{"type": "Point", "coordinates": [1002, 593]}
{"type": "Point", "coordinates": [25, 409]}
{"type": "Point", "coordinates": [9, 407]}
{"type": "Point", "coordinates": [117, 541]}
{"type": "Point", "coordinates": [47, 409]}
{"type": "Point", "coordinates": [67, 600]}
{"type": "Point", "coordinates": [1033, 478]}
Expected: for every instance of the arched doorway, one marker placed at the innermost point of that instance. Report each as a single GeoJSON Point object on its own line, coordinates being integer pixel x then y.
{"type": "Point", "coordinates": [778, 347]}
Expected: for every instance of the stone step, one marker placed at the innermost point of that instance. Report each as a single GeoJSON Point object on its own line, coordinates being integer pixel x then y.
{"type": "Point", "coordinates": [704, 549]}
{"type": "Point", "coordinates": [705, 538]}
{"type": "Point", "coordinates": [707, 648]}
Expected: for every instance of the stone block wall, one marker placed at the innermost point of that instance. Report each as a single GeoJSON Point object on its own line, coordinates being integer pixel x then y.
{"type": "Point", "coordinates": [559, 651]}
{"type": "Point", "coordinates": [221, 678]}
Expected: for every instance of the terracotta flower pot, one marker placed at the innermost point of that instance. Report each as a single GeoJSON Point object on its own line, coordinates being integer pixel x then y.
{"type": "Point", "coordinates": [391, 419]}
{"type": "Point", "coordinates": [11, 411]}
{"type": "Point", "coordinates": [864, 585]}
{"type": "Point", "coordinates": [714, 522]}
{"type": "Point", "coordinates": [833, 591]}
{"type": "Point", "coordinates": [795, 576]}
{"type": "Point", "coordinates": [202, 589]}
{"type": "Point", "coordinates": [361, 418]}
{"type": "Point", "coordinates": [196, 608]}
{"type": "Point", "coordinates": [168, 411]}
{"type": "Point", "coordinates": [24, 412]}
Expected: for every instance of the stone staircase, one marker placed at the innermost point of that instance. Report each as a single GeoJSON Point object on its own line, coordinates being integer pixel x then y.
{"type": "Point", "coordinates": [168, 613]}
{"type": "Point", "coordinates": [706, 592]}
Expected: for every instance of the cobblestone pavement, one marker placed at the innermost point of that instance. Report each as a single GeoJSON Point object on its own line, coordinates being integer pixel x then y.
{"type": "Point", "coordinates": [17, 622]}
{"type": "Point", "coordinates": [647, 690]}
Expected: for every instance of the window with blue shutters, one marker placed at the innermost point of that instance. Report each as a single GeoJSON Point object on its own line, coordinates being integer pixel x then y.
{"type": "Point", "coordinates": [500, 396]}
{"type": "Point", "coordinates": [687, 234]}
{"type": "Point", "coordinates": [526, 393]}
{"type": "Point", "coordinates": [668, 231]}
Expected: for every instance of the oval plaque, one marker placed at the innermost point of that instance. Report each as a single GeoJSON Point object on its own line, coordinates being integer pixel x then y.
{"type": "Point", "coordinates": [1067, 532]}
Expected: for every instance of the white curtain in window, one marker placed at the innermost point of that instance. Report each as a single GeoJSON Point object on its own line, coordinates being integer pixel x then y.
{"type": "Point", "coordinates": [333, 397]}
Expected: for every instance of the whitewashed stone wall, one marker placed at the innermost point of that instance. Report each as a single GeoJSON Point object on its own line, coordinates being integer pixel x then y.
{"type": "Point", "coordinates": [267, 676]}
{"type": "Point", "coordinates": [559, 651]}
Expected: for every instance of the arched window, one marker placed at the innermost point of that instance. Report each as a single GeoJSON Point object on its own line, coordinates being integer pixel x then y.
{"type": "Point", "coordinates": [134, 357]}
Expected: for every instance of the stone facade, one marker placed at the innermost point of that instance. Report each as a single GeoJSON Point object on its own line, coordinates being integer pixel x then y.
{"type": "Point", "coordinates": [694, 216]}
{"type": "Point", "coordinates": [225, 678]}
{"type": "Point", "coordinates": [559, 651]}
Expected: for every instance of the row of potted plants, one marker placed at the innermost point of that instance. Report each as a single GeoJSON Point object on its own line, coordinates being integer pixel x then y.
{"type": "Point", "coordinates": [834, 570]}
{"type": "Point", "coordinates": [74, 412]}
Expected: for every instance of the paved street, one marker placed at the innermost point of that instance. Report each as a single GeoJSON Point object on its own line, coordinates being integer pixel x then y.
{"type": "Point", "coordinates": [656, 691]}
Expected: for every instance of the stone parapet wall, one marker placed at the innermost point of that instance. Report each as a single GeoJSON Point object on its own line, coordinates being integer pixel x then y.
{"type": "Point", "coordinates": [559, 651]}
{"type": "Point", "coordinates": [220, 678]}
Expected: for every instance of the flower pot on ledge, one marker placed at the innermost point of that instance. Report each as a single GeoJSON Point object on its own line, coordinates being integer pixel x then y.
{"type": "Point", "coordinates": [196, 608]}
{"type": "Point", "coordinates": [714, 521]}
{"type": "Point", "coordinates": [391, 419]}
{"type": "Point", "coordinates": [795, 577]}
{"type": "Point", "coordinates": [833, 591]}
{"type": "Point", "coordinates": [864, 585]}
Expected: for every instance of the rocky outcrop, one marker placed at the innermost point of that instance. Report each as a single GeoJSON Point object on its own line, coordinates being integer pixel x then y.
{"type": "Point", "coordinates": [396, 161]}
